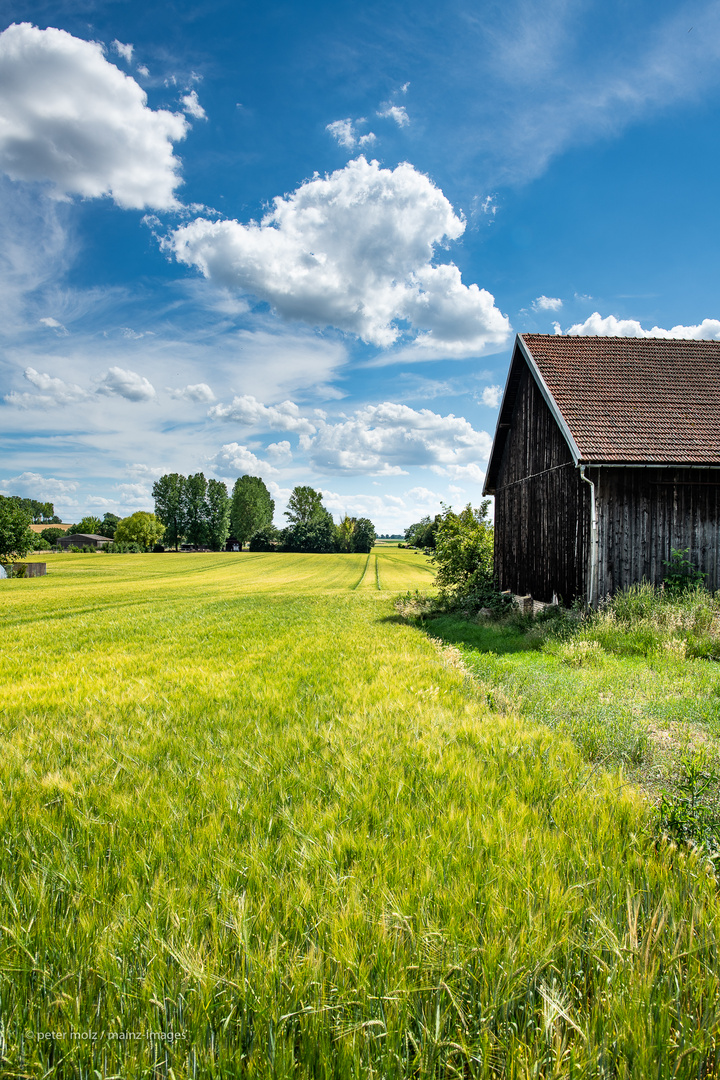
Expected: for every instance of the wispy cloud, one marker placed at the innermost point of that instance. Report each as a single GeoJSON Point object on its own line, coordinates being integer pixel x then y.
{"type": "Point", "coordinates": [537, 89]}
{"type": "Point", "coordinates": [53, 324]}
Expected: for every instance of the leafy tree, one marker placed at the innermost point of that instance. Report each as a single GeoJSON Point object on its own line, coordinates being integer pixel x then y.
{"type": "Point", "coordinates": [464, 550]}
{"type": "Point", "coordinates": [422, 534]}
{"type": "Point", "coordinates": [89, 525]}
{"type": "Point", "coordinates": [355, 534]}
{"type": "Point", "coordinates": [40, 543]}
{"type": "Point", "coordinates": [169, 506]}
{"type": "Point", "coordinates": [251, 508]}
{"type": "Point", "coordinates": [364, 535]}
{"type": "Point", "coordinates": [344, 534]}
{"type": "Point", "coordinates": [218, 514]}
{"type": "Point", "coordinates": [52, 535]}
{"type": "Point", "coordinates": [304, 505]}
{"type": "Point", "coordinates": [16, 536]}
{"type": "Point", "coordinates": [311, 526]}
{"type": "Point", "coordinates": [140, 528]}
{"type": "Point", "coordinates": [109, 524]}
{"type": "Point", "coordinates": [318, 535]}
{"type": "Point", "coordinates": [266, 539]}
{"type": "Point", "coordinates": [194, 503]}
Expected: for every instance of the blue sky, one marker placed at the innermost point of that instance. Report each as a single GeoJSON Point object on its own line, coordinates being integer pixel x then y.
{"type": "Point", "coordinates": [297, 239]}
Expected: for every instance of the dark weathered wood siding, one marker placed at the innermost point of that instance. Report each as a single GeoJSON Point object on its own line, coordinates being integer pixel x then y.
{"type": "Point", "coordinates": [645, 512]}
{"type": "Point", "coordinates": [542, 513]}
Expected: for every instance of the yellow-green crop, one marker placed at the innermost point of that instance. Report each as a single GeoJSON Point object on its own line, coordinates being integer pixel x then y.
{"type": "Point", "coordinates": [254, 825]}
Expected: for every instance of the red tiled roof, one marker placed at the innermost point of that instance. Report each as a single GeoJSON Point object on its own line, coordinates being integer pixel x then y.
{"type": "Point", "coordinates": [645, 400]}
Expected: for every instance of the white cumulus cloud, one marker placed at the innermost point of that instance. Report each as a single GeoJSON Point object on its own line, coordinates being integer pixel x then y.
{"type": "Point", "coordinates": [53, 391]}
{"type": "Point", "coordinates": [125, 51]}
{"type": "Point", "coordinates": [192, 106]}
{"type": "Point", "coordinates": [491, 396]}
{"type": "Point", "coordinates": [388, 438]}
{"type": "Point", "coordinates": [71, 118]}
{"type": "Point", "coordinates": [346, 135]}
{"type": "Point", "coordinates": [32, 484]}
{"type": "Point", "coordinates": [235, 460]}
{"type": "Point", "coordinates": [547, 303]}
{"type": "Point", "coordinates": [247, 410]}
{"type": "Point", "coordinates": [200, 392]}
{"type": "Point", "coordinates": [398, 113]}
{"type": "Point", "coordinates": [610, 326]}
{"type": "Point", "coordinates": [279, 452]}
{"type": "Point", "coordinates": [353, 250]}
{"type": "Point", "coordinates": [118, 382]}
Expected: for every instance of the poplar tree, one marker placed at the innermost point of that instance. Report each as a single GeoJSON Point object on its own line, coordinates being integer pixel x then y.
{"type": "Point", "coordinates": [218, 514]}
{"type": "Point", "coordinates": [195, 506]}
{"type": "Point", "coordinates": [169, 507]}
{"type": "Point", "coordinates": [251, 509]}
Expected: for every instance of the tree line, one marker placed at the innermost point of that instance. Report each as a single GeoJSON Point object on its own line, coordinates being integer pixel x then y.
{"type": "Point", "coordinates": [38, 511]}
{"type": "Point", "coordinates": [202, 513]}
{"type": "Point", "coordinates": [197, 512]}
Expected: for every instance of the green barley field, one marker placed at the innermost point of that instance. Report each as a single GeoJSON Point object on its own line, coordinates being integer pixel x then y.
{"type": "Point", "coordinates": [255, 825]}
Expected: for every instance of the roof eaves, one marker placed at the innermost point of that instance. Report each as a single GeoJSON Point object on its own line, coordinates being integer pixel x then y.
{"type": "Point", "coordinates": [501, 428]}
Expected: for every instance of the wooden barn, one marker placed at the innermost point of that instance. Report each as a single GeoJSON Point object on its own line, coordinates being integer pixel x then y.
{"type": "Point", "coordinates": [606, 457]}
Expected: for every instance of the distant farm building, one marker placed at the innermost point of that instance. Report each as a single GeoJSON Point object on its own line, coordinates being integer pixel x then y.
{"type": "Point", "coordinates": [606, 458]}
{"type": "Point", "coordinates": [84, 540]}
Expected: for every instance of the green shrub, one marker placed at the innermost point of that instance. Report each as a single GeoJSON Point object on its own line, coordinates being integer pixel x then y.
{"type": "Point", "coordinates": [682, 574]}
{"type": "Point", "coordinates": [52, 535]}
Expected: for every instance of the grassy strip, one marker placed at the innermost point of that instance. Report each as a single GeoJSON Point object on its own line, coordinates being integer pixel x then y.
{"type": "Point", "coordinates": [219, 824]}
{"type": "Point", "coordinates": [631, 685]}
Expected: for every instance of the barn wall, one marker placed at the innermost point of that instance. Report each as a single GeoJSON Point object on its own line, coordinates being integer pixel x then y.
{"type": "Point", "coordinates": [644, 513]}
{"type": "Point", "coordinates": [541, 506]}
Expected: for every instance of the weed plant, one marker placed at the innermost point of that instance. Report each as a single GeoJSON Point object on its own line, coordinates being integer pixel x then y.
{"type": "Point", "coordinates": [256, 825]}
{"type": "Point", "coordinates": [691, 814]}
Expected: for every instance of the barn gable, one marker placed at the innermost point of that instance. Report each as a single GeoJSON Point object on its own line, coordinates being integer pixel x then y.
{"type": "Point", "coordinates": [606, 456]}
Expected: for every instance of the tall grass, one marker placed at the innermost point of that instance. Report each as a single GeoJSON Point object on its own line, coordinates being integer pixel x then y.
{"type": "Point", "coordinates": [630, 683]}
{"type": "Point", "coordinates": [255, 825]}
{"type": "Point", "coordinates": [644, 620]}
